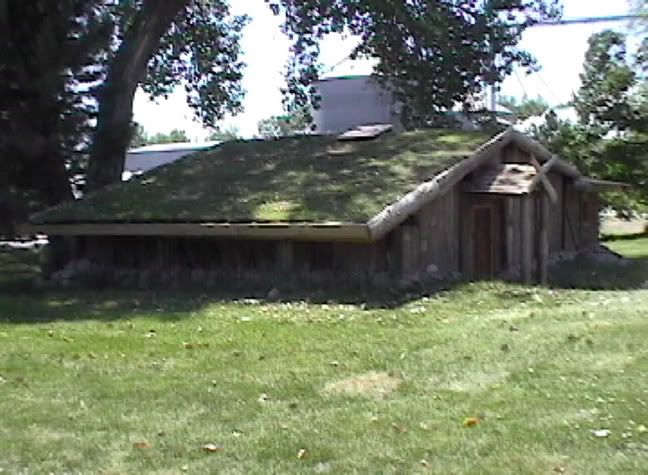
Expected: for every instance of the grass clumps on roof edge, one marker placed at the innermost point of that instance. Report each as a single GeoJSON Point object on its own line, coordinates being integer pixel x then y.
{"type": "Point", "coordinates": [294, 179]}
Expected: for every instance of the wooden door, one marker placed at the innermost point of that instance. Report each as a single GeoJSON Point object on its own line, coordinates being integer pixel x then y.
{"type": "Point", "coordinates": [483, 242]}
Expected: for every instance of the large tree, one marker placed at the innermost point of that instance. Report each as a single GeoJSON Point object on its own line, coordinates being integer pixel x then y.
{"type": "Point", "coordinates": [47, 71]}
{"type": "Point", "coordinates": [161, 44]}
{"type": "Point", "coordinates": [433, 54]}
{"type": "Point", "coordinates": [609, 140]}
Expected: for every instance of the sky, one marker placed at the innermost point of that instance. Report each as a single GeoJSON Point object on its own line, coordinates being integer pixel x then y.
{"type": "Point", "coordinates": [559, 50]}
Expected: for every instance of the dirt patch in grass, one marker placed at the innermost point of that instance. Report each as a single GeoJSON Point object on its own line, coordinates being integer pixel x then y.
{"type": "Point", "coordinates": [378, 385]}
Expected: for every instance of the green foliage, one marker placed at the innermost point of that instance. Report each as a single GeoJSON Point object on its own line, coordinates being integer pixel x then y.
{"type": "Point", "coordinates": [139, 136]}
{"type": "Point", "coordinates": [610, 139]}
{"type": "Point", "coordinates": [283, 125]}
{"type": "Point", "coordinates": [225, 134]}
{"type": "Point", "coordinates": [433, 54]}
{"type": "Point", "coordinates": [47, 74]}
{"type": "Point", "coordinates": [525, 107]}
{"type": "Point", "coordinates": [174, 136]}
{"type": "Point", "coordinates": [201, 52]}
{"type": "Point", "coordinates": [608, 85]}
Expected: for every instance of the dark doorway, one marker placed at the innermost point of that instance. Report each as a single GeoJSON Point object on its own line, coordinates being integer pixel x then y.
{"type": "Point", "coordinates": [483, 241]}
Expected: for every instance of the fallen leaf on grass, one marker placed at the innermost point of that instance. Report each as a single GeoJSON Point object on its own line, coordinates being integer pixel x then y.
{"type": "Point", "coordinates": [212, 448]}
{"type": "Point", "coordinates": [642, 429]}
{"type": "Point", "coordinates": [142, 445]}
{"type": "Point", "coordinates": [399, 429]}
{"type": "Point", "coordinates": [471, 421]}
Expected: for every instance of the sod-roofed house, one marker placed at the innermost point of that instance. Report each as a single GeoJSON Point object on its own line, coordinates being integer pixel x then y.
{"type": "Point", "coordinates": [365, 206]}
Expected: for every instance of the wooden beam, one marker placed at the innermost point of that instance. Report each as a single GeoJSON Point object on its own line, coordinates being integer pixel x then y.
{"type": "Point", "coordinates": [509, 221]}
{"type": "Point", "coordinates": [543, 241]}
{"type": "Point", "coordinates": [307, 232]}
{"type": "Point", "coordinates": [542, 177]}
{"type": "Point", "coordinates": [526, 244]}
{"type": "Point", "coordinates": [599, 186]}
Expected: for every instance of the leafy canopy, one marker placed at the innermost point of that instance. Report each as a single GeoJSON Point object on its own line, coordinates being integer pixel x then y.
{"type": "Point", "coordinates": [283, 125]}
{"type": "Point", "coordinates": [433, 54]}
{"type": "Point", "coordinates": [610, 139]}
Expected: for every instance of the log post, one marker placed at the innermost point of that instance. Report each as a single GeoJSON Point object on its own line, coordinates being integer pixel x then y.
{"type": "Point", "coordinates": [526, 244]}
{"type": "Point", "coordinates": [405, 242]}
{"type": "Point", "coordinates": [543, 241]}
{"type": "Point", "coordinates": [509, 221]}
{"type": "Point", "coordinates": [285, 255]}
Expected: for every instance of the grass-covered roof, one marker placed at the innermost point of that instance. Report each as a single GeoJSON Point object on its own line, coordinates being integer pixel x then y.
{"type": "Point", "coordinates": [298, 179]}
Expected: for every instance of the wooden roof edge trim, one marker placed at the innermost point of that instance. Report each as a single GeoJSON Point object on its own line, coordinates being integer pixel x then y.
{"type": "Point", "coordinates": [536, 148]}
{"type": "Point", "coordinates": [594, 185]}
{"type": "Point", "coordinates": [396, 213]}
{"type": "Point", "coordinates": [355, 232]}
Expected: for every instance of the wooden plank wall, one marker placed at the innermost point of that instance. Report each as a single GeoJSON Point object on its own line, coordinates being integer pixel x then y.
{"type": "Point", "coordinates": [590, 225]}
{"type": "Point", "coordinates": [573, 241]}
{"type": "Point", "coordinates": [514, 232]}
{"type": "Point", "coordinates": [555, 216]}
{"type": "Point", "coordinates": [232, 255]}
{"type": "Point", "coordinates": [434, 239]}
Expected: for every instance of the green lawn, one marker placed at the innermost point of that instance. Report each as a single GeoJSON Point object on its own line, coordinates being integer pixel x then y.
{"type": "Point", "coordinates": [117, 383]}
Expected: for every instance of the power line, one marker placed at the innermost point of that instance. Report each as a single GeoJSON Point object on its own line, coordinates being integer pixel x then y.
{"type": "Point", "coordinates": [590, 20]}
{"type": "Point", "coordinates": [547, 23]}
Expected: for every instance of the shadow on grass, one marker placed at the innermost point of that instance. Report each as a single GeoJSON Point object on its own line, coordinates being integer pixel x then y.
{"type": "Point", "coordinates": [586, 274]}
{"type": "Point", "coordinates": [624, 237]}
{"type": "Point", "coordinates": [20, 303]}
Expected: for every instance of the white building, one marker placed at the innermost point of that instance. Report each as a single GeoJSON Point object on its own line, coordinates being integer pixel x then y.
{"type": "Point", "coordinates": [142, 159]}
{"type": "Point", "coordinates": [350, 101]}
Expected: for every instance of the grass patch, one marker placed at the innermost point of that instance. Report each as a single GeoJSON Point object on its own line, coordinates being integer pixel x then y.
{"type": "Point", "coordinates": [133, 382]}
{"type": "Point", "coordinates": [635, 247]}
{"type": "Point", "coordinates": [312, 178]}
{"type": "Point", "coordinates": [18, 269]}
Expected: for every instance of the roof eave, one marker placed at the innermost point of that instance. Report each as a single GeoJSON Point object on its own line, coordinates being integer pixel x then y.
{"type": "Point", "coordinates": [330, 231]}
{"type": "Point", "coordinates": [593, 185]}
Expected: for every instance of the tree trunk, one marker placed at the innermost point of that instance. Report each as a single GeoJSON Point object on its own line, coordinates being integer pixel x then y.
{"type": "Point", "coordinates": [125, 72]}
